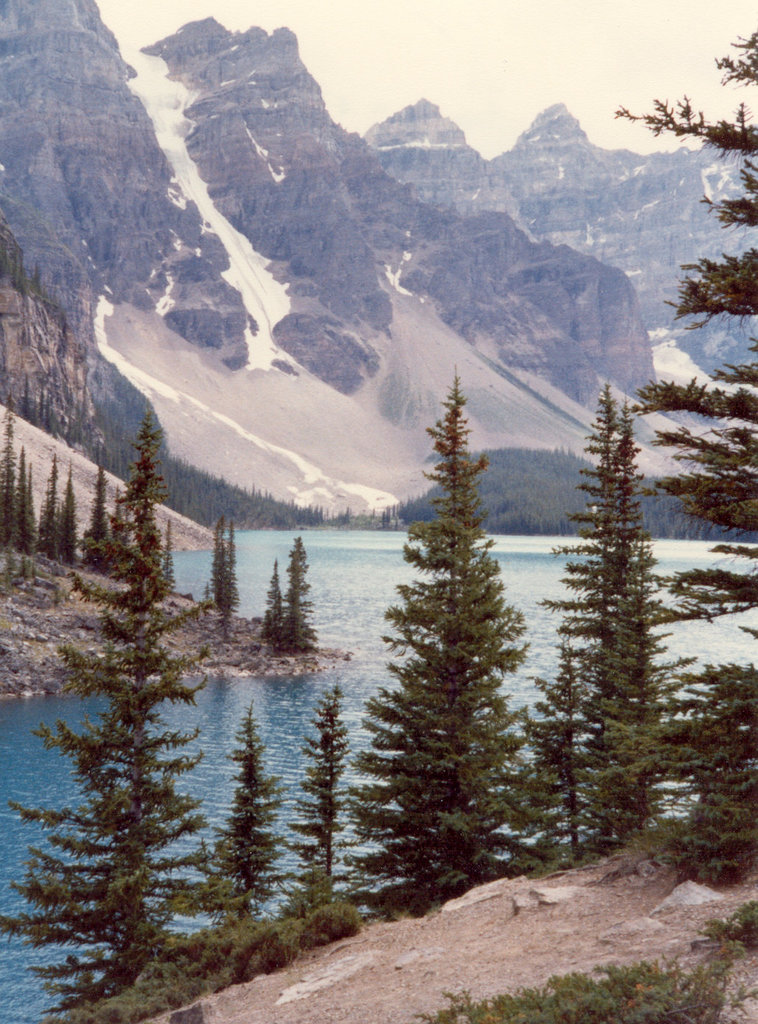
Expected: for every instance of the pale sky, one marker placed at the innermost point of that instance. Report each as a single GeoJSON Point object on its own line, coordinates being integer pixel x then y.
{"type": "Point", "coordinates": [490, 65]}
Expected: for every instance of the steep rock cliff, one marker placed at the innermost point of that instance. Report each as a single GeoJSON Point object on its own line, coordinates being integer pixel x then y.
{"type": "Point", "coordinates": [42, 362]}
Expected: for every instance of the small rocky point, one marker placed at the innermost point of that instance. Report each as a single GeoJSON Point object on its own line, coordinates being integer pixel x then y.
{"type": "Point", "coordinates": [38, 615]}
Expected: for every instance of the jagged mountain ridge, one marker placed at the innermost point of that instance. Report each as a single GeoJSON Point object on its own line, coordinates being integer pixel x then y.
{"type": "Point", "coordinates": [322, 392]}
{"type": "Point", "coordinates": [313, 200]}
{"type": "Point", "coordinates": [643, 214]}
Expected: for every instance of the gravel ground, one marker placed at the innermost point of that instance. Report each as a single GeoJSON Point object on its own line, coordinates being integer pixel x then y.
{"type": "Point", "coordinates": [511, 934]}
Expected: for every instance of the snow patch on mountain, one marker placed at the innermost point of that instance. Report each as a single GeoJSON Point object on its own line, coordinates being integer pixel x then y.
{"type": "Point", "coordinates": [265, 299]}
{"type": "Point", "coordinates": [263, 154]}
{"type": "Point", "coordinates": [671, 363]}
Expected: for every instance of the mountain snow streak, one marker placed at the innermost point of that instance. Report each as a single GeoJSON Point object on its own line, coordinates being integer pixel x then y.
{"type": "Point", "coordinates": [266, 300]}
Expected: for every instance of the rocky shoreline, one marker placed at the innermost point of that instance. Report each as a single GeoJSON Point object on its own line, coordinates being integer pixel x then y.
{"type": "Point", "coordinates": [37, 616]}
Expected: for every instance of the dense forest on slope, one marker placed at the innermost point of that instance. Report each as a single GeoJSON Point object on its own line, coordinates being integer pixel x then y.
{"type": "Point", "coordinates": [526, 491]}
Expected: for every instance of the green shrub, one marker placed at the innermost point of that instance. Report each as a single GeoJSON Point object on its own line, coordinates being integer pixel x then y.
{"type": "Point", "coordinates": [741, 927]}
{"type": "Point", "coordinates": [276, 944]}
{"type": "Point", "coordinates": [330, 922]}
{"type": "Point", "coordinates": [205, 961]}
{"type": "Point", "coordinates": [641, 993]}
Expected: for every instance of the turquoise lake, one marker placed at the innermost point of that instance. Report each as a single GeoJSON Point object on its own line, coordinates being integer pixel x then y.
{"type": "Point", "coordinates": [353, 576]}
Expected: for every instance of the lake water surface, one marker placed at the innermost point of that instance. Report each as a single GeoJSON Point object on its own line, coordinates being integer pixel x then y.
{"type": "Point", "coordinates": [353, 576]}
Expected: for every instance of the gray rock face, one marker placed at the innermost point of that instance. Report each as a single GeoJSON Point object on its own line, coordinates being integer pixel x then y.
{"type": "Point", "coordinates": [91, 197]}
{"type": "Point", "coordinates": [642, 214]}
{"type": "Point", "coordinates": [84, 184]}
{"type": "Point", "coordinates": [315, 202]}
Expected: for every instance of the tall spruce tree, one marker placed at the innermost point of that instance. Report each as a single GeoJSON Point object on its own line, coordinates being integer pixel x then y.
{"type": "Point", "coordinates": [48, 537]}
{"type": "Point", "coordinates": [273, 617]}
{"type": "Point", "coordinates": [67, 524]}
{"type": "Point", "coordinates": [217, 561]}
{"type": "Point", "coordinates": [554, 730]}
{"type": "Point", "coordinates": [167, 561]}
{"type": "Point", "coordinates": [97, 535]}
{"type": "Point", "coordinates": [609, 620]}
{"type": "Point", "coordinates": [231, 589]}
{"type": "Point", "coordinates": [224, 588]}
{"type": "Point", "coordinates": [714, 737]}
{"type": "Point", "coordinates": [243, 868]}
{"type": "Point", "coordinates": [26, 527]}
{"type": "Point", "coordinates": [112, 877]}
{"type": "Point", "coordinates": [298, 632]}
{"type": "Point", "coordinates": [438, 807]}
{"type": "Point", "coordinates": [320, 809]}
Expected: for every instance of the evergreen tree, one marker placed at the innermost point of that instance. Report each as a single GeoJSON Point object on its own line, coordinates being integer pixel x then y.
{"type": "Point", "coordinates": [113, 877]}
{"type": "Point", "coordinates": [555, 736]}
{"type": "Point", "coordinates": [97, 535]}
{"type": "Point", "coordinates": [273, 618]}
{"type": "Point", "coordinates": [438, 808]}
{"type": "Point", "coordinates": [8, 483]}
{"type": "Point", "coordinates": [26, 528]}
{"type": "Point", "coordinates": [231, 590]}
{"type": "Point", "coordinates": [167, 563]}
{"type": "Point", "coordinates": [247, 848]}
{"type": "Point", "coordinates": [609, 620]}
{"type": "Point", "coordinates": [48, 540]}
{"type": "Point", "coordinates": [224, 572]}
{"type": "Point", "coordinates": [67, 524]}
{"type": "Point", "coordinates": [217, 562]}
{"type": "Point", "coordinates": [321, 807]}
{"type": "Point", "coordinates": [714, 739]}
{"type": "Point", "coordinates": [299, 634]}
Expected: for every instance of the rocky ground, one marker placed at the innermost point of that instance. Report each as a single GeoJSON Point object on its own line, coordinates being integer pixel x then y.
{"type": "Point", "coordinates": [37, 616]}
{"type": "Point", "coordinates": [507, 935]}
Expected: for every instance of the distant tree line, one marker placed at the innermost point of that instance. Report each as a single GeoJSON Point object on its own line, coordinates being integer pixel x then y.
{"type": "Point", "coordinates": [533, 492]}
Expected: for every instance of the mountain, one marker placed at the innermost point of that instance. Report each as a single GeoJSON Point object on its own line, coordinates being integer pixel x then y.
{"type": "Point", "coordinates": [293, 312]}
{"type": "Point", "coordinates": [643, 214]}
{"type": "Point", "coordinates": [420, 146]}
{"type": "Point", "coordinates": [42, 362]}
{"type": "Point", "coordinates": [85, 186]}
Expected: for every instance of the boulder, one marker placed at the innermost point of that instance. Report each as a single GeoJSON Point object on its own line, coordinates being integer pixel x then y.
{"type": "Point", "coordinates": [688, 894]}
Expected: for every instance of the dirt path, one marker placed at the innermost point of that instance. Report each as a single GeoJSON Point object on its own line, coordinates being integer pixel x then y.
{"type": "Point", "coordinates": [510, 934]}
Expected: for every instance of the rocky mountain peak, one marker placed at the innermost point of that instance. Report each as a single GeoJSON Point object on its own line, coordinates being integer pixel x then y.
{"type": "Point", "coordinates": [195, 39]}
{"type": "Point", "coordinates": [554, 125]}
{"type": "Point", "coordinates": [420, 124]}
{"type": "Point", "coordinates": [262, 71]}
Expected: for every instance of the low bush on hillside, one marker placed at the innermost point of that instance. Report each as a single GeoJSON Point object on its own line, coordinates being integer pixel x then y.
{"type": "Point", "coordinates": [642, 993]}
{"type": "Point", "coordinates": [741, 927]}
{"type": "Point", "coordinates": [212, 959]}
